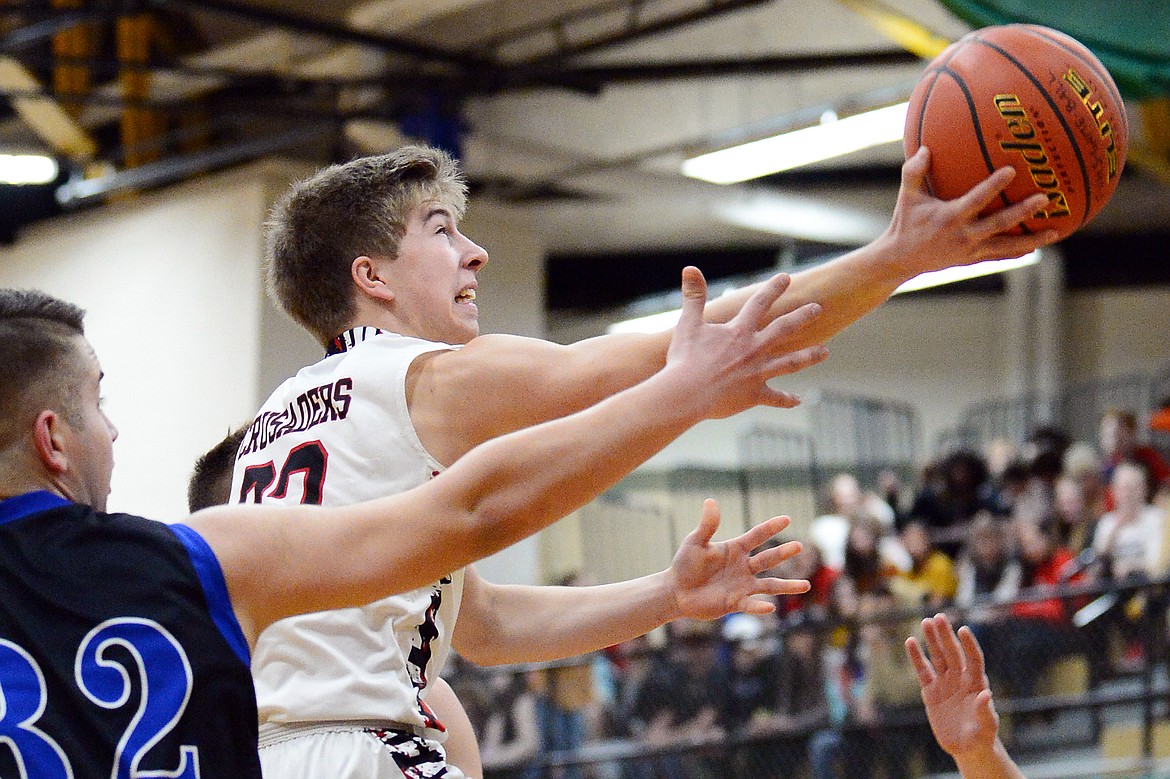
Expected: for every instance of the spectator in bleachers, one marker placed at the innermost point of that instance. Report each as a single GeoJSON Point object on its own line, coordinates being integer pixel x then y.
{"type": "Point", "coordinates": [988, 574]}
{"type": "Point", "coordinates": [843, 686]}
{"type": "Point", "coordinates": [1082, 463]}
{"type": "Point", "coordinates": [811, 566]}
{"type": "Point", "coordinates": [566, 698]}
{"type": "Point", "coordinates": [1037, 632]}
{"type": "Point", "coordinates": [1119, 443]}
{"type": "Point", "coordinates": [509, 733]}
{"type": "Point", "coordinates": [1073, 520]}
{"type": "Point", "coordinates": [680, 700]}
{"type": "Point", "coordinates": [1128, 539]}
{"type": "Point", "coordinates": [752, 673]}
{"type": "Point", "coordinates": [949, 502]}
{"type": "Point", "coordinates": [891, 490]}
{"type": "Point", "coordinates": [931, 580]}
{"type": "Point", "coordinates": [1012, 486]}
{"type": "Point", "coordinates": [848, 502]}
{"type": "Point", "coordinates": [1128, 547]}
{"type": "Point", "coordinates": [873, 686]}
{"type": "Point", "coordinates": [631, 664]}
{"type": "Point", "coordinates": [1042, 458]}
{"type": "Point", "coordinates": [793, 704]}
{"type": "Point", "coordinates": [869, 560]}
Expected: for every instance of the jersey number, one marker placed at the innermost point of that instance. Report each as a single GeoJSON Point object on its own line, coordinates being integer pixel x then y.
{"type": "Point", "coordinates": [309, 458]}
{"type": "Point", "coordinates": [164, 674]}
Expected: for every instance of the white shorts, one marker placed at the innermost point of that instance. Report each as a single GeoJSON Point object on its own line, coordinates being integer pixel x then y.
{"type": "Point", "coordinates": [355, 753]}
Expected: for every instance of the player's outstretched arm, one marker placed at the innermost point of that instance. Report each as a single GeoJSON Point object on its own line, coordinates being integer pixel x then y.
{"type": "Point", "coordinates": [283, 561]}
{"type": "Point", "coordinates": [524, 381]}
{"type": "Point", "coordinates": [958, 700]}
{"type": "Point", "coordinates": [707, 579]}
{"type": "Point", "coordinates": [925, 234]}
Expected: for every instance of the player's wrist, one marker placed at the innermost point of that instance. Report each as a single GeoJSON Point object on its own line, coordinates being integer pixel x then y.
{"type": "Point", "coordinates": [980, 754]}
{"type": "Point", "coordinates": [890, 259]}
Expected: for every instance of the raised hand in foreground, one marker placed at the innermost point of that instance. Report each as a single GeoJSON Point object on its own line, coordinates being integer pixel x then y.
{"type": "Point", "coordinates": [958, 700]}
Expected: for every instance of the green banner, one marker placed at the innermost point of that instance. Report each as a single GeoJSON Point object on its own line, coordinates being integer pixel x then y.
{"type": "Point", "coordinates": [1130, 37]}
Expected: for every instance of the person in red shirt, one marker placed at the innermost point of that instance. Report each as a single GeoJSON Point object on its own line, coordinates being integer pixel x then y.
{"type": "Point", "coordinates": [1038, 631]}
{"type": "Point", "coordinates": [1118, 439]}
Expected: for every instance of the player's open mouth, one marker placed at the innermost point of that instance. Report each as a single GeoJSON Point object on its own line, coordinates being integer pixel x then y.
{"type": "Point", "coordinates": [466, 296]}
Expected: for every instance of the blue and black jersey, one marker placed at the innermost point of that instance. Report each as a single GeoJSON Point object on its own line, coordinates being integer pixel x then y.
{"type": "Point", "coordinates": [119, 650]}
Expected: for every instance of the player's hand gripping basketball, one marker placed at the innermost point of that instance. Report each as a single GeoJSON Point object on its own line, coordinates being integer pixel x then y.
{"type": "Point", "coordinates": [930, 234]}
{"type": "Point", "coordinates": [725, 367]}
{"type": "Point", "coordinates": [710, 579]}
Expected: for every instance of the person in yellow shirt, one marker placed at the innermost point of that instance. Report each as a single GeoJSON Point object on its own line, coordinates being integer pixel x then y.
{"type": "Point", "coordinates": [931, 580]}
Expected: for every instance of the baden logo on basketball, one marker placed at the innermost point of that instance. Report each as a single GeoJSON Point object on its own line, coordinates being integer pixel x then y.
{"type": "Point", "coordinates": [1033, 153]}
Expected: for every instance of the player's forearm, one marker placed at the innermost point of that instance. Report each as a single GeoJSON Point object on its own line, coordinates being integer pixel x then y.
{"type": "Point", "coordinates": [518, 484]}
{"type": "Point", "coordinates": [991, 763]}
{"type": "Point", "coordinates": [848, 288]}
{"type": "Point", "coordinates": [517, 626]}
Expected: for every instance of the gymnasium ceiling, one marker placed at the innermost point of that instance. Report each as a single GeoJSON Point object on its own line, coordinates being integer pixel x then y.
{"type": "Point", "coordinates": [576, 112]}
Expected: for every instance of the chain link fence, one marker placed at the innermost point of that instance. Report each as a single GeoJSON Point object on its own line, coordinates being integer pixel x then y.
{"type": "Point", "coordinates": [1079, 673]}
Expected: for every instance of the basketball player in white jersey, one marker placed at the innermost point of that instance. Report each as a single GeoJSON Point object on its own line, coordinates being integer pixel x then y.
{"type": "Point", "coordinates": [210, 485]}
{"type": "Point", "coordinates": [368, 257]}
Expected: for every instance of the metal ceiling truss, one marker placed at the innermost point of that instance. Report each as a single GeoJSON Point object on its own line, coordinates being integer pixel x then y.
{"type": "Point", "coordinates": [619, 21]}
{"type": "Point", "coordinates": [417, 71]}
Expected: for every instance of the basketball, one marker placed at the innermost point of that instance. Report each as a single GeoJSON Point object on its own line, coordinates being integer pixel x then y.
{"type": "Point", "coordinates": [1026, 96]}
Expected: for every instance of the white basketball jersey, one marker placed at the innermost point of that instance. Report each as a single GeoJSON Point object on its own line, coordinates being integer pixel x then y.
{"type": "Point", "coordinates": [337, 433]}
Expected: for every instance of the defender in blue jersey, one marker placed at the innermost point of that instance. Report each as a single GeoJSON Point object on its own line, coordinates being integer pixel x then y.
{"type": "Point", "coordinates": [125, 643]}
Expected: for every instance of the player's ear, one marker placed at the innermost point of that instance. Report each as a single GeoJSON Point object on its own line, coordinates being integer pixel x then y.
{"type": "Point", "coordinates": [49, 432]}
{"type": "Point", "coordinates": [369, 275]}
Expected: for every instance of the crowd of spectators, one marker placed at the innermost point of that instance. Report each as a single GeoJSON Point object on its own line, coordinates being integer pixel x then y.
{"type": "Point", "coordinates": [822, 686]}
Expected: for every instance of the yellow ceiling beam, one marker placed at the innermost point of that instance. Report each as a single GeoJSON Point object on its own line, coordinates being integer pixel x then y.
{"type": "Point", "coordinates": [1152, 151]}
{"type": "Point", "coordinates": [912, 36]}
{"type": "Point", "coordinates": [44, 115]}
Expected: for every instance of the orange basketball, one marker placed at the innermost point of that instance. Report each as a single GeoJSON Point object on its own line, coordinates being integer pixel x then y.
{"type": "Point", "coordinates": [1030, 97]}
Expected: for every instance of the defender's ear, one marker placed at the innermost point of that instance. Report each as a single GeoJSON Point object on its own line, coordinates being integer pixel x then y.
{"type": "Point", "coordinates": [367, 274]}
{"type": "Point", "coordinates": [49, 431]}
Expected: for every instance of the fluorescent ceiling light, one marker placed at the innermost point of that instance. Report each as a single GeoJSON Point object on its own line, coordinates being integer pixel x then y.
{"type": "Point", "coordinates": [27, 169]}
{"type": "Point", "coordinates": [962, 273]}
{"type": "Point", "coordinates": [656, 323]}
{"type": "Point", "coordinates": [824, 141]}
{"type": "Point", "coordinates": [803, 217]}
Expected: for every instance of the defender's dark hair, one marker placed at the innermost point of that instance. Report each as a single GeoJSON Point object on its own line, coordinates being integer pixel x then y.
{"type": "Point", "coordinates": [211, 482]}
{"type": "Point", "coordinates": [39, 359]}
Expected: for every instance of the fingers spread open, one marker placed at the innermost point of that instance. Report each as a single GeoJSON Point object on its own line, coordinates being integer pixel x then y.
{"type": "Point", "coordinates": [918, 659]}
{"type": "Point", "coordinates": [761, 301]}
{"type": "Point", "coordinates": [949, 646]}
{"type": "Point", "coordinates": [783, 326]}
{"type": "Point", "coordinates": [770, 558]}
{"type": "Point", "coordinates": [914, 170]}
{"type": "Point", "coordinates": [972, 650]}
{"type": "Point", "coordinates": [694, 294]}
{"type": "Point", "coordinates": [765, 530]}
{"type": "Point", "coordinates": [773, 585]}
{"type": "Point", "coordinates": [933, 635]}
{"type": "Point", "coordinates": [979, 196]}
{"type": "Point", "coordinates": [708, 523]}
{"type": "Point", "coordinates": [791, 362]}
